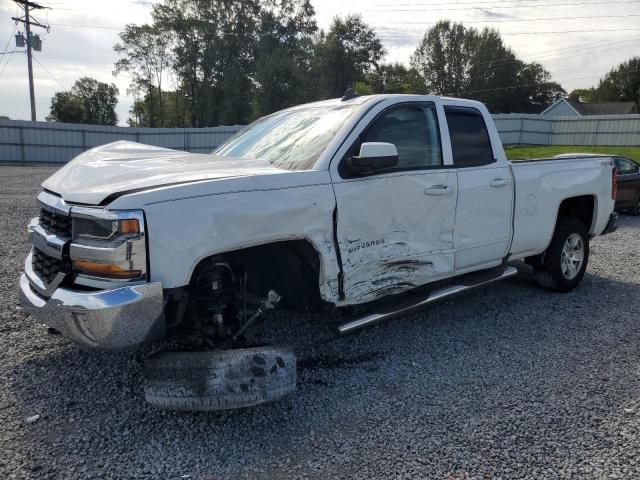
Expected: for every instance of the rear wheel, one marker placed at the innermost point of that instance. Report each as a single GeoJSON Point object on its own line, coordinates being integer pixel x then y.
{"type": "Point", "coordinates": [565, 260]}
{"type": "Point", "coordinates": [635, 208]}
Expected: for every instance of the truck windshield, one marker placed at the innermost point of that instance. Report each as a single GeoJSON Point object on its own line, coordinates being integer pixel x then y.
{"type": "Point", "coordinates": [292, 140]}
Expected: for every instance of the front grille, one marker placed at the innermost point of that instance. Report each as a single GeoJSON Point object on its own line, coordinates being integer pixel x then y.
{"type": "Point", "coordinates": [47, 267]}
{"type": "Point", "coordinates": [55, 223]}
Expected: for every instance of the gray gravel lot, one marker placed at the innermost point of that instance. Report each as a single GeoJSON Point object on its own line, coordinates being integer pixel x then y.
{"type": "Point", "coordinates": [507, 382]}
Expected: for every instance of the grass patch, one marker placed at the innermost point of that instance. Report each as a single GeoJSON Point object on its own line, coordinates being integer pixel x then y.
{"type": "Point", "coordinates": [523, 153]}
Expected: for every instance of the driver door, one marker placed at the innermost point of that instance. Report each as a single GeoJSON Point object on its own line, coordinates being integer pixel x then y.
{"type": "Point", "coordinates": [395, 229]}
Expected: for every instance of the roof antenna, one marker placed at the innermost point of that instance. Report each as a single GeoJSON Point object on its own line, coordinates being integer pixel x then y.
{"type": "Point", "coordinates": [349, 94]}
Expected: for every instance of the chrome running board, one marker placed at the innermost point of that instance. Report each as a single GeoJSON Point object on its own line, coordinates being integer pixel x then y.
{"type": "Point", "coordinates": [416, 301]}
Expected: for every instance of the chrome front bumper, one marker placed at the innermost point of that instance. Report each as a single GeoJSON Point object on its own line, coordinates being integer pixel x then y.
{"type": "Point", "coordinates": [123, 318]}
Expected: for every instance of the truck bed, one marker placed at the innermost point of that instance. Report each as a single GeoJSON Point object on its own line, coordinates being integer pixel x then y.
{"type": "Point", "coordinates": [541, 184]}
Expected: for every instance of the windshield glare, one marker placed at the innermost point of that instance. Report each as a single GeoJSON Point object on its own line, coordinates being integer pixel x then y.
{"type": "Point", "coordinates": [292, 140]}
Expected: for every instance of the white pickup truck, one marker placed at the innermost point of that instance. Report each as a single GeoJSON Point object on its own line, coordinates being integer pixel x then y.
{"type": "Point", "coordinates": [344, 202]}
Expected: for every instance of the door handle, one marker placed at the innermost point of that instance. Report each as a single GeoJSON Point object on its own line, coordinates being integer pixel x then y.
{"type": "Point", "coordinates": [438, 190]}
{"type": "Point", "coordinates": [499, 182]}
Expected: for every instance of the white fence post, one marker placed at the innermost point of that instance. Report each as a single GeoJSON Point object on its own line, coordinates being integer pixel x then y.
{"type": "Point", "coordinates": [595, 132]}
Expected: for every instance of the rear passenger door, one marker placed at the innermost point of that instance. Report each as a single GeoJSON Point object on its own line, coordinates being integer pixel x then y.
{"type": "Point", "coordinates": [482, 230]}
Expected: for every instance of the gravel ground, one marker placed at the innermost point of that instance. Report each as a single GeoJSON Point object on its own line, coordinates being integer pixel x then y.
{"type": "Point", "coordinates": [506, 382]}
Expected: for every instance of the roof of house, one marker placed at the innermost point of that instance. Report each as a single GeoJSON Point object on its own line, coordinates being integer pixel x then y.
{"type": "Point", "coordinates": [602, 108]}
{"type": "Point", "coordinates": [596, 108]}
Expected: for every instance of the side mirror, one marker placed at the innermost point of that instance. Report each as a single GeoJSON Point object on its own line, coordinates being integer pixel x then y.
{"type": "Point", "coordinates": [374, 157]}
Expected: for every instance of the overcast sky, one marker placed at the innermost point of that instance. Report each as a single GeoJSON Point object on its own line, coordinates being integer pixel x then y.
{"type": "Point", "coordinates": [578, 41]}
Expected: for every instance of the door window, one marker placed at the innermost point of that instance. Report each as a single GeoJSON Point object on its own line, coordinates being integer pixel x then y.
{"type": "Point", "coordinates": [470, 141]}
{"type": "Point", "coordinates": [413, 129]}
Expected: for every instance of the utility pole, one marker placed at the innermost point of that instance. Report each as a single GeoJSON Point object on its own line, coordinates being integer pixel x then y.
{"type": "Point", "coordinates": [26, 5]}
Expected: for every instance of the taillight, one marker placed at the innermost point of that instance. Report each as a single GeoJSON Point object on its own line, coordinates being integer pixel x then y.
{"type": "Point", "coordinates": [614, 183]}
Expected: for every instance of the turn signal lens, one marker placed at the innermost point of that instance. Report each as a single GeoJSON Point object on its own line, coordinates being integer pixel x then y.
{"type": "Point", "coordinates": [129, 226]}
{"type": "Point", "coordinates": [105, 270]}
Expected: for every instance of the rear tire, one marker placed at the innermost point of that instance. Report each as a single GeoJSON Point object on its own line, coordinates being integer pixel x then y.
{"type": "Point", "coordinates": [635, 209]}
{"type": "Point", "coordinates": [565, 260]}
{"type": "Point", "coordinates": [219, 380]}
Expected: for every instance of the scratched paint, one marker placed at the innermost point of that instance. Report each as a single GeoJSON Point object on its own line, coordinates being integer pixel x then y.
{"type": "Point", "coordinates": [392, 236]}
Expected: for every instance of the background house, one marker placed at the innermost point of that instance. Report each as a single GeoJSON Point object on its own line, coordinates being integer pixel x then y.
{"type": "Point", "coordinates": [573, 107]}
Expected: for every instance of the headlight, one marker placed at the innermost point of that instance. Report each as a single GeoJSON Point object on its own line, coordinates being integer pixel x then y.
{"type": "Point", "coordinates": [108, 244]}
{"type": "Point", "coordinates": [86, 230]}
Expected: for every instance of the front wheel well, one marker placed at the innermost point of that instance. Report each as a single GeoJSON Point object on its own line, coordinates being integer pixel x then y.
{"type": "Point", "coordinates": [290, 267]}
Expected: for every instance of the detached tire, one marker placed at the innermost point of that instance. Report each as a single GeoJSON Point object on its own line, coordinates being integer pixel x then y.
{"type": "Point", "coordinates": [565, 260]}
{"type": "Point", "coordinates": [226, 379]}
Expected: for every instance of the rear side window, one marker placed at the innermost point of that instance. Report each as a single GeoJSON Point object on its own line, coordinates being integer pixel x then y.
{"type": "Point", "coordinates": [470, 142]}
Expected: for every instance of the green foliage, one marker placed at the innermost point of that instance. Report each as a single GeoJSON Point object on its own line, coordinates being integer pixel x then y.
{"type": "Point", "coordinates": [523, 153]}
{"type": "Point", "coordinates": [343, 55]}
{"type": "Point", "coordinates": [464, 62]}
{"type": "Point", "coordinates": [230, 61]}
{"type": "Point", "coordinates": [88, 101]}
{"type": "Point", "coordinates": [584, 94]}
{"type": "Point", "coordinates": [176, 110]}
{"type": "Point", "coordinates": [392, 78]}
{"type": "Point", "coordinates": [622, 84]}
{"type": "Point", "coordinates": [145, 56]}
{"type": "Point", "coordinates": [214, 43]}
{"type": "Point", "coordinates": [284, 52]}
{"type": "Point", "coordinates": [4, 117]}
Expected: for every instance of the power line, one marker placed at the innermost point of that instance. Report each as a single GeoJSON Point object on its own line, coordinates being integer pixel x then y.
{"type": "Point", "coordinates": [545, 53]}
{"type": "Point", "coordinates": [6, 47]}
{"type": "Point", "coordinates": [104, 27]}
{"type": "Point", "coordinates": [490, 3]}
{"type": "Point", "coordinates": [532, 33]}
{"type": "Point", "coordinates": [530, 85]}
{"type": "Point", "coordinates": [500, 64]}
{"type": "Point", "coordinates": [5, 65]}
{"type": "Point", "coordinates": [50, 74]}
{"type": "Point", "coordinates": [515, 20]}
{"type": "Point", "coordinates": [490, 8]}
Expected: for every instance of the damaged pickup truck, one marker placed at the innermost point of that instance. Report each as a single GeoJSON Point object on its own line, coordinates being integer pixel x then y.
{"type": "Point", "coordinates": [387, 202]}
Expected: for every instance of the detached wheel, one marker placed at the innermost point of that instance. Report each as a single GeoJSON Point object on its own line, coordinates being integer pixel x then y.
{"type": "Point", "coordinates": [226, 379]}
{"type": "Point", "coordinates": [565, 260]}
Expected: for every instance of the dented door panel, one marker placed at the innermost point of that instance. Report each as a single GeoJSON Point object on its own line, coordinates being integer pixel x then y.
{"type": "Point", "coordinates": [392, 234]}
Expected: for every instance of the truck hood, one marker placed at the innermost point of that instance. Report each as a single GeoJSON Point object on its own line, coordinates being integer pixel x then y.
{"type": "Point", "coordinates": [125, 166]}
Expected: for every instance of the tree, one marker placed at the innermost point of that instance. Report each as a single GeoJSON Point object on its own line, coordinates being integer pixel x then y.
{"type": "Point", "coordinates": [145, 56]}
{"type": "Point", "coordinates": [622, 84]}
{"type": "Point", "coordinates": [583, 94]}
{"type": "Point", "coordinates": [458, 61]}
{"type": "Point", "coordinates": [534, 90]}
{"type": "Point", "coordinates": [213, 47]}
{"type": "Point", "coordinates": [284, 51]}
{"type": "Point", "coordinates": [392, 78]}
{"type": "Point", "coordinates": [88, 101]}
{"type": "Point", "coordinates": [175, 110]}
{"type": "Point", "coordinates": [4, 117]}
{"type": "Point", "coordinates": [345, 54]}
